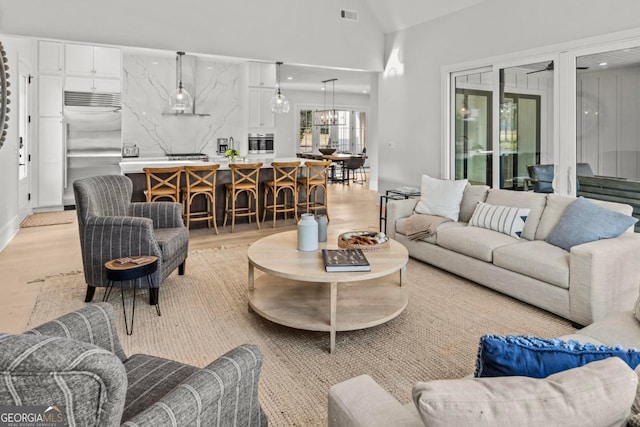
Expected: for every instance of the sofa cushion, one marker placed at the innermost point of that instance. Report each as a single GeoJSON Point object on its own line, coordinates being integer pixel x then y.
{"type": "Point", "coordinates": [401, 228]}
{"type": "Point", "coordinates": [583, 221]}
{"type": "Point", "coordinates": [150, 378]}
{"type": "Point", "coordinates": [503, 219]}
{"type": "Point", "coordinates": [441, 197]}
{"type": "Point", "coordinates": [520, 199]}
{"type": "Point", "coordinates": [473, 241]}
{"type": "Point", "coordinates": [556, 204]}
{"type": "Point", "coordinates": [470, 198]}
{"type": "Point", "coordinates": [619, 328]}
{"type": "Point", "coordinates": [520, 355]}
{"type": "Point", "coordinates": [536, 259]}
{"type": "Point", "coordinates": [598, 394]}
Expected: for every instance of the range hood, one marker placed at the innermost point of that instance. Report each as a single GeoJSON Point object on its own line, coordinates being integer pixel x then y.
{"type": "Point", "coordinates": [189, 65]}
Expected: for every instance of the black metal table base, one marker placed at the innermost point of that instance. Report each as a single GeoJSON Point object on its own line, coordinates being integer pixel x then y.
{"type": "Point", "coordinates": [136, 273]}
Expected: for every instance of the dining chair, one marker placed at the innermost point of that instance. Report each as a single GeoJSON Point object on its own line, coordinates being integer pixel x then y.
{"type": "Point", "coordinates": [245, 178]}
{"type": "Point", "coordinates": [200, 181]}
{"type": "Point", "coordinates": [355, 164]}
{"type": "Point", "coordinates": [285, 175]}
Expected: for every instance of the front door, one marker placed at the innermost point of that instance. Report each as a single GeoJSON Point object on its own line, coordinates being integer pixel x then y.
{"type": "Point", "coordinates": [24, 141]}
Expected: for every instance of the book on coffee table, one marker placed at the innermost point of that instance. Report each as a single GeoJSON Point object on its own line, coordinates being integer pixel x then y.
{"type": "Point", "coordinates": [345, 260]}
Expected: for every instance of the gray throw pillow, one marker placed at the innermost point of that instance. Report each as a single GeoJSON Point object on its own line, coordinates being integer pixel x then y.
{"type": "Point", "coordinates": [584, 221]}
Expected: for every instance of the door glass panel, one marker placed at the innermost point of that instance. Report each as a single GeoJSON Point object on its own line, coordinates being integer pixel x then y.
{"type": "Point", "coordinates": [607, 134]}
{"type": "Point", "coordinates": [526, 124]}
{"type": "Point", "coordinates": [473, 122]}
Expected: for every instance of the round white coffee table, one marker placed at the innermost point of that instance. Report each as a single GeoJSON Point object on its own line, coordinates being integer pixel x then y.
{"type": "Point", "coordinates": [296, 291]}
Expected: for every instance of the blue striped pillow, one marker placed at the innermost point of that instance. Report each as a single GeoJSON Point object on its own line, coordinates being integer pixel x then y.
{"type": "Point", "coordinates": [504, 219]}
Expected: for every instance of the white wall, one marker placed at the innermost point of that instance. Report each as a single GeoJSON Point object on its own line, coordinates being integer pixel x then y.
{"type": "Point", "coordinates": [9, 221]}
{"type": "Point", "coordinates": [410, 88]}
{"type": "Point", "coordinates": [293, 31]}
{"type": "Point", "coordinates": [287, 125]}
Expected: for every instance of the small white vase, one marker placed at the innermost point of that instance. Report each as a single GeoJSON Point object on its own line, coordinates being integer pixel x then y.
{"type": "Point", "coordinates": [307, 233]}
{"type": "Point", "coordinates": [322, 228]}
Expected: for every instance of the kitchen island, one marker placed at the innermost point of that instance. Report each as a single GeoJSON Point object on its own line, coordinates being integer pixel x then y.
{"type": "Point", "coordinates": [133, 168]}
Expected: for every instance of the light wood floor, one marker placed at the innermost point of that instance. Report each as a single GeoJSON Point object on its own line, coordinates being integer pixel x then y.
{"type": "Point", "coordinates": [38, 252]}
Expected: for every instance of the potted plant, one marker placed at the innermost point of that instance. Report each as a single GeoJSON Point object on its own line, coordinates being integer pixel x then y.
{"type": "Point", "coordinates": [232, 154]}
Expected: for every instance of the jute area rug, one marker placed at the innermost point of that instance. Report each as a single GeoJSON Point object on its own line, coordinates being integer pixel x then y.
{"type": "Point", "coordinates": [204, 314]}
{"type": "Point", "coordinates": [48, 218]}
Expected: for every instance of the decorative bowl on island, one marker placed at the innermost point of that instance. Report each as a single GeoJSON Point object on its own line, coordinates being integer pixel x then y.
{"type": "Point", "coordinates": [327, 151]}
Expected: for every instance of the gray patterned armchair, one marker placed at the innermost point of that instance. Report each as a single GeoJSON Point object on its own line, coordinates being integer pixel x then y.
{"type": "Point", "coordinates": [76, 363]}
{"type": "Point", "coordinates": [112, 227]}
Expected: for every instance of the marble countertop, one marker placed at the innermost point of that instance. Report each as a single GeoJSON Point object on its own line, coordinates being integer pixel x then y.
{"type": "Point", "coordinates": [135, 165]}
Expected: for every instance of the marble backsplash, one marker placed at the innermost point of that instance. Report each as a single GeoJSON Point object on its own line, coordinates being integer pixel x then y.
{"type": "Point", "coordinates": [148, 83]}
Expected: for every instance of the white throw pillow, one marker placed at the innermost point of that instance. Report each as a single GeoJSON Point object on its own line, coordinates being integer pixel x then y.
{"type": "Point", "coordinates": [597, 394]}
{"type": "Point", "coordinates": [440, 197]}
{"type": "Point", "coordinates": [503, 219]}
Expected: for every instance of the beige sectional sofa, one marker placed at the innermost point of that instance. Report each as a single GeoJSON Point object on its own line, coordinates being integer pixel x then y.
{"type": "Point", "coordinates": [582, 285]}
{"type": "Point", "coordinates": [360, 401]}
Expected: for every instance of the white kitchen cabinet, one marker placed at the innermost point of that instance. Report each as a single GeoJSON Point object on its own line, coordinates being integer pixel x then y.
{"type": "Point", "coordinates": [107, 62]}
{"type": "Point", "coordinates": [50, 162]}
{"type": "Point", "coordinates": [85, 60]}
{"type": "Point", "coordinates": [50, 96]}
{"type": "Point", "coordinates": [78, 59]}
{"type": "Point", "coordinates": [260, 115]}
{"type": "Point", "coordinates": [262, 74]}
{"type": "Point", "coordinates": [50, 57]}
{"type": "Point", "coordinates": [92, 84]}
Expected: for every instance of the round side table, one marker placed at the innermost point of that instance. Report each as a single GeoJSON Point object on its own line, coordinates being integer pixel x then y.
{"type": "Point", "coordinates": [132, 268]}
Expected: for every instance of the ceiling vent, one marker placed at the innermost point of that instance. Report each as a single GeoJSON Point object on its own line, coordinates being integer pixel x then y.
{"type": "Point", "coordinates": [349, 15]}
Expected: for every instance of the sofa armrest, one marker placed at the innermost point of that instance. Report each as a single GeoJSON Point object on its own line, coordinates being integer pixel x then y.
{"type": "Point", "coordinates": [604, 277]}
{"type": "Point", "coordinates": [361, 402]}
{"type": "Point", "coordinates": [93, 324]}
{"type": "Point", "coordinates": [397, 209]}
{"type": "Point", "coordinates": [110, 237]}
{"type": "Point", "coordinates": [163, 214]}
{"type": "Point", "coordinates": [226, 391]}
{"type": "Point", "coordinates": [88, 382]}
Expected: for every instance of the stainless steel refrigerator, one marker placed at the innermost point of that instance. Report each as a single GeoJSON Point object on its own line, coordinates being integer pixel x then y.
{"type": "Point", "coordinates": [93, 137]}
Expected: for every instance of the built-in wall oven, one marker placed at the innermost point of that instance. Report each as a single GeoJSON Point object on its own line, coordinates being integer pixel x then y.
{"type": "Point", "coordinates": [261, 143]}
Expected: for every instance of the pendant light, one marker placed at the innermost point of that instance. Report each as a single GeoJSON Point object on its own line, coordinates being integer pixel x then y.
{"type": "Point", "coordinates": [279, 102]}
{"type": "Point", "coordinates": [328, 117]}
{"type": "Point", "coordinates": [181, 100]}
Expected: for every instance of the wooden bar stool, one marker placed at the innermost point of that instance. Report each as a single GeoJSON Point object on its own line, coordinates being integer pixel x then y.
{"type": "Point", "coordinates": [200, 180]}
{"type": "Point", "coordinates": [285, 175]}
{"type": "Point", "coordinates": [163, 183]}
{"type": "Point", "coordinates": [316, 178]}
{"type": "Point", "coordinates": [244, 179]}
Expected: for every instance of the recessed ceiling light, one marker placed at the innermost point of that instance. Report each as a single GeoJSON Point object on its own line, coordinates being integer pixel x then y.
{"type": "Point", "coordinates": [364, 91]}
{"type": "Point", "coordinates": [154, 63]}
{"type": "Point", "coordinates": [603, 64]}
{"type": "Point", "coordinates": [321, 88]}
{"type": "Point", "coordinates": [289, 78]}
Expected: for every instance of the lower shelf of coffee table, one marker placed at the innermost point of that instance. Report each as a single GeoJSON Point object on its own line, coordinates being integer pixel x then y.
{"type": "Point", "coordinates": [307, 305]}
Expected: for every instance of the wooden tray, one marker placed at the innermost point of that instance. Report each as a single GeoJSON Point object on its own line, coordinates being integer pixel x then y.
{"type": "Point", "coordinates": [346, 245]}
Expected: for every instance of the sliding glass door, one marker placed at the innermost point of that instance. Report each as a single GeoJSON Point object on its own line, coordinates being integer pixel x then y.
{"type": "Point", "coordinates": [473, 129]}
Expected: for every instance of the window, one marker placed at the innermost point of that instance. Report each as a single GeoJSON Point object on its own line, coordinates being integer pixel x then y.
{"type": "Point", "coordinates": [347, 138]}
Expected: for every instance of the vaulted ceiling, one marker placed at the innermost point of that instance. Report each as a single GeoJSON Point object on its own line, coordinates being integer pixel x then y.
{"type": "Point", "coordinates": [395, 15]}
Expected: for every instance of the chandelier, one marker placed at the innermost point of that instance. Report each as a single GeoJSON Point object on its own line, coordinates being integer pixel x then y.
{"type": "Point", "coordinates": [279, 102]}
{"type": "Point", "coordinates": [328, 117]}
{"type": "Point", "coordinates": [181, 100]}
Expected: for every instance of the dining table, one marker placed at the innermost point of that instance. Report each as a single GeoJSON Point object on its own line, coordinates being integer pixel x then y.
{"type": "Point", "coordinates": [341, 158]}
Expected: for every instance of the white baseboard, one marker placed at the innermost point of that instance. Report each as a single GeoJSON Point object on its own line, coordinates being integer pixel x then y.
{"type": "Point", "coordinates": [9, 231]}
